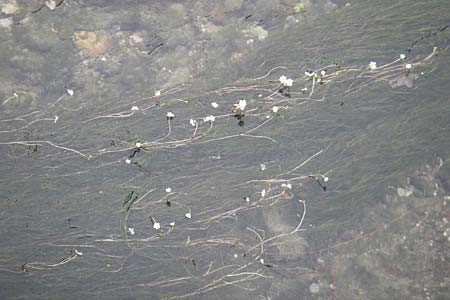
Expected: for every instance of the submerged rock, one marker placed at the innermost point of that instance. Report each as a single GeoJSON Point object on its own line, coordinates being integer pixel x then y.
{"type": "Point", "coordinates": [9, 7]}
{"type": "Point", "coordinates": [6, 22]}
{"type": "Point", "coordinates": [256, 31]}
{"type": "Point", "coordinates": [91, 43]}
{"type": "Point", "coordinates": [406, 251]}
{"type": "Point", "coordinates": [404, 80]}
{"type": "Point", "coordinates": [405, 192]}
{"type": "Point", "coordinates": [314, 288]}
{"type": "Point", "coordinates": [51, 4]}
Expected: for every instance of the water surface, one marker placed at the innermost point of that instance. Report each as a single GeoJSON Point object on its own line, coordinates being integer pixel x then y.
{"type": "Point", "coordinates": [330, 189]}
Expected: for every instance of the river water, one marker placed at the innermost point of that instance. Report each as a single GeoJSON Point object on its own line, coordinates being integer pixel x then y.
{"type": "Point", "coordinates": [159, 150]}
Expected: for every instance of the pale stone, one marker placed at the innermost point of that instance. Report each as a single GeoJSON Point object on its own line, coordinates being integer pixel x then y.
{"type": "Point", "coordinates": [51, 4]}
{"type": "Point", "coordinates": [10, 7]}
{"type": "Point", "coordinates": [136, 38]}
{"type": "Point", "coordinates": [210, 27]}
{"type": "Point", "coordinates": [405, 192]}
{"type": "Point", "coordinates": [6, 22]}
{"type": "Point", "coordinates": [257, 31]}
{"type": "Point", "coordinates": [314, 288]}
{"type": "Point", "coordinates": [92, 43]}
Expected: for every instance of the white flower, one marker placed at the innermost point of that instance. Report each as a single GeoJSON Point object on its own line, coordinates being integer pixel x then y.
{"type": "Point", "coordinates": [263, 167]}
{"type": "Point", "coordinates": [214, 104]}
{"type": "Point", "coordinates": [131, 230]}
{"type": "Point", "coordinates": [240, 107]}
{"type": "Point", "coordinates": [408, 66]}
{"type": "Point", "coordinates": [247, 199]}
{"type": "Point", "coordinates": [275, 109]}
{"type": "Point", "coordinates": [156, 225]}
{"type": "Point", "coordinates": [188, 215]}
{"type": "Point", "coordinates": [286, 186]}
{"type": "Point", "coordinates": [193, 122]}
{"type": "Point", "coordinates": [286, 81]}
{"type": "Point", "coordinates": [325, 178]}
{"type": "Point", "coordinates": [138, 145]}
{"type": "Point", "coordinates": [242, 104]}
{"type": "Point", "coordinates": [170, 115]}
{"type": "Point", "coordinates": [372, 65]}
{"type": "Point", "coordinates": [311, 74]}
{"type": "Point", "coordinates": [263, 193]}
{"type": "Point", "coordinates": [158, 93]}
{"type": "Point", "coordinates": [209, 118]}
{"type": "Point", "coordinates": [323, 73]}
{"type": "Point", "coordinates": [134, 108]}
{"type": "Point", "coordinates": [235, 255]}
{"type": "Point", "coordinates": [261, 260]}
{"type": "Point", "coordinates": [402, 56]}
{"type": "Point", "coordinates": [78, 253]}
{"type": "Point", "coordinates": [172, 224]}
{"type": "Point", "coordinates": [70, 92]}
{"type": "Point", "coordinates": [56, 118]}
{"type": "Point", "coordinates": [128, 161]}
{"type": "Point", "coordinates": [168, 190]}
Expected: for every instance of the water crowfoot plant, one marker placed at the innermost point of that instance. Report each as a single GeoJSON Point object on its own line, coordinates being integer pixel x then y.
{"type": "Point", "coordinates": [222, 244]}
{"type": "Point", "coordinates": [239, 109]}
{"type": "Point", "coordinates": [286, 83]}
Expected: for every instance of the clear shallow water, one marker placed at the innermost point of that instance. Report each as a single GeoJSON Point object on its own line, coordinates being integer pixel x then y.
{"type": "Point", "coordinates": [378, 231]}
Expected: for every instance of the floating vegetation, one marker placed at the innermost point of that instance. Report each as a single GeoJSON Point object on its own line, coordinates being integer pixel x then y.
{"type": "Point", "coordinates": [129, 200]}
{"type": "Point", "coordinates": [138, 146]}
{"type": "Point", "coordinates": [242, 253]}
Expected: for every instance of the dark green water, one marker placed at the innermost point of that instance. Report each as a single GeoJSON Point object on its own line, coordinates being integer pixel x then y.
{"type": "Point", "coordinates": [70, 203]}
